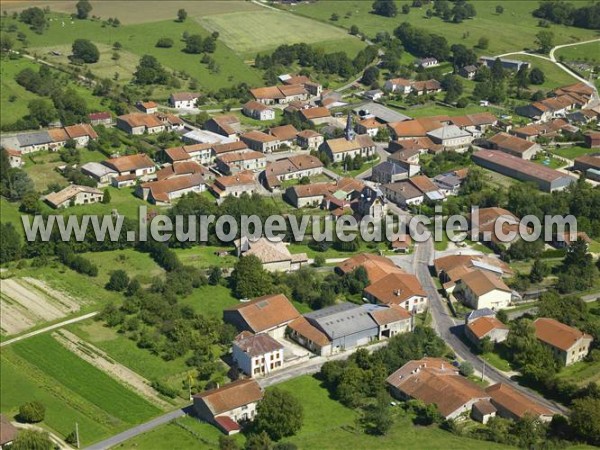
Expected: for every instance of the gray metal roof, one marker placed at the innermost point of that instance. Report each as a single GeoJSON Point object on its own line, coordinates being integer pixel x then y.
{"type": "Point", "coordinates": [342, 320]}
{"type": "Point", "coordinates": [390, 168]}
{"type": "Point", "coordinates": [448, 132]}
{"type": "Point", "coordinates": [383, 113]}
{"type": "Point", "coordinates": [97, 169]}
{"type": "Point", "coordinates": [483, 312]}
{"type": "Point", "coordinates": [37, 138]}
{"type": "Point", "coordinates": [447, 179]}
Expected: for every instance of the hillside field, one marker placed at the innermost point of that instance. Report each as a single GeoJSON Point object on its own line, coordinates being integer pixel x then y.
{"type": "Point", "coordinates": [514, 30]}
{"type": "Point", "coordinates": [72, 390]}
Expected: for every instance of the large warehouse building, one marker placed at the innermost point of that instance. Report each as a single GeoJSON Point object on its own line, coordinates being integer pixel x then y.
{"type": "Point", "coordinates": [547, 179]}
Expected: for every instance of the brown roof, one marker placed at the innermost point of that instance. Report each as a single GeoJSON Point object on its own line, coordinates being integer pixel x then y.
{"type": "Point", "coordinates": [292, 89]}
{"type": "Point", "coordinates": [100, 115]}
{"type": "Point", "coordinates": [430, 85]}
{"type": "Point", "coordinates": [135, 120]}
{"type": "Point", "coordinates": [482, 326]}
{"type": "Point", "coordinates": [231, 396]}
{"type": "Point", "coordinates": [232, 157]}
{"type": "Point", "coordinates": [184, 96]}
{"type": "Point", "coordinates": [81, 130]}
{"type": "Point", "coordinates": [510, 399]}
{"type": "Point", "coordinates": [485, 407]}
{"type": "Point", "coordinates": [229, 147]}
{"type": "Point", "coordinates": [238, 179]}
{"type": "Point", "coordinates": [311, 190]}
{"type": "Point", "coordinates": [284, 132]}
{"type": "Point", "coordinates": [391, 314]}
{"type": "Point", "coordinates": [519, 165]}
{"type": "Point", "coordinates": [309, 133]}
{"type": "Point", "coordinates": [8, 431]}
{"type": "Point", "coordinates": [266, 312]}
{"type": "Point", "coordinates": [130, 162]}
{"type": "Point", "coordinates": [181, 168]}
{"type": "Point", "coordinates": [376, 266]}
{"type": "Point", "coordinates": [395, 288]}
{"type": "Point", "coordinates": [403, 241]}
{"type": "Point", "coordinates": [292, 164]}
{"type": "Point", "coordinates": [267, 92]}
{"type": "Point", "coordinates": [557, 334]}
{"type": "Point", "coordinates": [161, 189]}
{"type": "Point", "coordinates": [177, 154]}
{"type": "Point", "coordinates": [258, 136]}
{"type": "Point", "coordinates": [578, 88]}
{"type": "Point", "coordinates": [148, 105]}
{"type": "Point", "coordinates": [371, 123]}
{"type": "Point", "coordinates": [435, 381]}
{"type": "Point", "coordinates": [416, 127]}
{"type": "Point", "coordinates": [505, 141]}
{"type": "Point", "coordinates": [401, 81]}
{"type": "Point", "coordinates": [341, 145]}
{"type": "Point", "coordinates": [58, 198]}
{"type": "Point", "coordinates": [446, 263]}
{"type": "Point", "coordinates": [58, 135]}
{"type": "Point", "coordinates": [315, 113]}
{"type": "Point", "coordinates": [423, 183]}
{"type": "Point", "coordinates": [473, 120]}
{"type": "Point", "coordinates": [590, 160]}
{"type": "Point", "coordinates": [257, 344]}
{"type": "Point", "coordinates": [416, 144]}
{"type": "Point", "coordinates": [256, 106]}
{"type": "Point", "coordinates": [481, 282]}
{"type": "Point", "coordinates": [405, 188]}
{"type": "Point", "coordinates": [308, 331]}
{"type": "Point", "coordinates": [228, 123]}
{"type": "Point", "coordinates": [297, 79]}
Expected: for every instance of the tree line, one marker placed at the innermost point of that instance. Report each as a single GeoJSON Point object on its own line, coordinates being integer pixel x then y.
{"type": "Point", "coordinates": [566, 13]}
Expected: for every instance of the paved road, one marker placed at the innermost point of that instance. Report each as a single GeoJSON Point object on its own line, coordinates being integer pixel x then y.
{"type": "Point", "coordinates": [451, 329]}
{"type": "Point", "coordinates": [49, 328]}
{"type": "Point", "coordinates": [132, 432]}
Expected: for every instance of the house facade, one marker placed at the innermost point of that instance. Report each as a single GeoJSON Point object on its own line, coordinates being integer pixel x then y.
{"type": "Point", "coordinates": [257, 355]}
{"type": "Point", "coordinates": [74, 195]}
{"type": "Point", "coordinates": [568, 344]}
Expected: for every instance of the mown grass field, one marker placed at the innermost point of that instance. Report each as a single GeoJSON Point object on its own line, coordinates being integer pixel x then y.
{"type": "Point", "coordinates": [13, 110]}
{"type": "Point", "coordinates": [555, 76]}
{"type": "Point", "coordinates": [41, 368]}
{"type": "Point", "coordinates": [514, 30]}
{"type": "Point", "coordinates": [251, 32]}
{"type": "Point", "coordinates": [210, 300]}
{"type": "Point", "coordinates": [589, 52]}
{"type": "Point", "coordinates": [203, 257]}
{"type": "Point", "coordinates": [573, 152]}
{"type": "Point", "coordinates": [137, 264]}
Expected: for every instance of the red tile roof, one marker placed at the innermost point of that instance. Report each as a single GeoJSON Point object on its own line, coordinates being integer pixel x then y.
{"type": "Point", "coordinates": [557, 334]}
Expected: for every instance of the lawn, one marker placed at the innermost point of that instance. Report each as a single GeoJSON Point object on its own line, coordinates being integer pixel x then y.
{"type": "Point", "coordinates": [331, 252]}
{"type": "Point", "coordinates": [247, 33]}
{"type": "Point", "coordinates": [498, 362]}
{"type": "Point", "coordinates": [137, 264]}
{"type": "Point", "coordinates": [203, 257]}
{"type": "Point", "coordinates": [573, 152]}
{"type": "Point", "coordinates": [339, 169]}
{"type": "Point", "coordinates": [555, 76]}
{"type": "Point", "coordinates": [9, 212]}
{"type": "Point", "coordinates": [511, 31]}
{"type": "Point", "coordinates": [551, 162]}
{"type": "Point", "coordinates": [126, 352]}
{"type": "Point", "coordinates": [589, 52]}
{"type": "Point", "coordinates": [210, 300]}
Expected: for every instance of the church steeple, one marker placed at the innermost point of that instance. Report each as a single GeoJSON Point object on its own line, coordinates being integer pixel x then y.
{"type": "Point", "coordinates": [349, 130]}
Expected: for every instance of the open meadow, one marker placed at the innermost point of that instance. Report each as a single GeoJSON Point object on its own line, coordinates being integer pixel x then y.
{"type": "Point", "coordinates": [513, 30]}
{"type": "Point", "coordinates": [251, 32]}
{"type": "Point", "coordinates": [71, 389]}
{"type": "Point", "coordinates": [589, 52]}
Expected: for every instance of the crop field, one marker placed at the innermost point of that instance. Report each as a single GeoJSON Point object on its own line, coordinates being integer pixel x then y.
{"type": "Point", "coordinates": [72, 390]}
{"type": "Point", "coordinates": [26, 302]}
{"type": "Point", "coordinates": [251, 32]}
{"type": "Point", "coordinates": [511, 31]}
{"type": "Point", "coordinates": [126, 352]}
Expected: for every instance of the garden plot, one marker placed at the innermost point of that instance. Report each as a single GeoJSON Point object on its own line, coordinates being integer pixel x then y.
{"type": "Point", "coordinates": [26, 302]}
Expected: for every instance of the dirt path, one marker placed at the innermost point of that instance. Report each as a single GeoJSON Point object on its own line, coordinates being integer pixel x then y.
{"type": "Point", "coordinates": [102, 361]}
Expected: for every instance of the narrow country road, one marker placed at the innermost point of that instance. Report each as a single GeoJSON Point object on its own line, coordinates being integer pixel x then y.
{"type": "Point", "coordinates": [49, 328]}
{"type": "Point", "coordinates": [450, 329]}
{"type": "Point", "coordinates": [552, 59]}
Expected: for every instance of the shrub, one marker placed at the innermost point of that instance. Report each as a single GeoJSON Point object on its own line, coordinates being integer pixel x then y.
{"type": "Point", "coordinates": [164, 43]}
{"type": "Point", "coordinates": [32, 412]}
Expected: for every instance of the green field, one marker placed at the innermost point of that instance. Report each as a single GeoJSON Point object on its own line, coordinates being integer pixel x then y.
{"type": "Point", "coordinates": [573, 152]}
{"type": "Point", "coordinates": [137, 40]}
{"type": "Point", "coordinates": [203, 257]}
{"type": "Point", "coordinates": [514, 30]}
{"type": "Point", "coordinates": [210, 300]}
{"type": "Point", "coordinates": [589, 52]}
{"type": "Point", "coordinates": [13, 110]}
{"type": "Point", "coordinates": [328, 425]}
{"type": "Point", "coordinates": [555, 76]}
{"type": "Point", "coordinates": [130, 12]}
{"type": "Point", "coordinates": [72, 390]}
{"type": "Point", "coordinates": [126, 352]}
{"type": "Point", "coordinates": [137, 264]}
{"type": "Point", "coordinates": [250, 32]}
